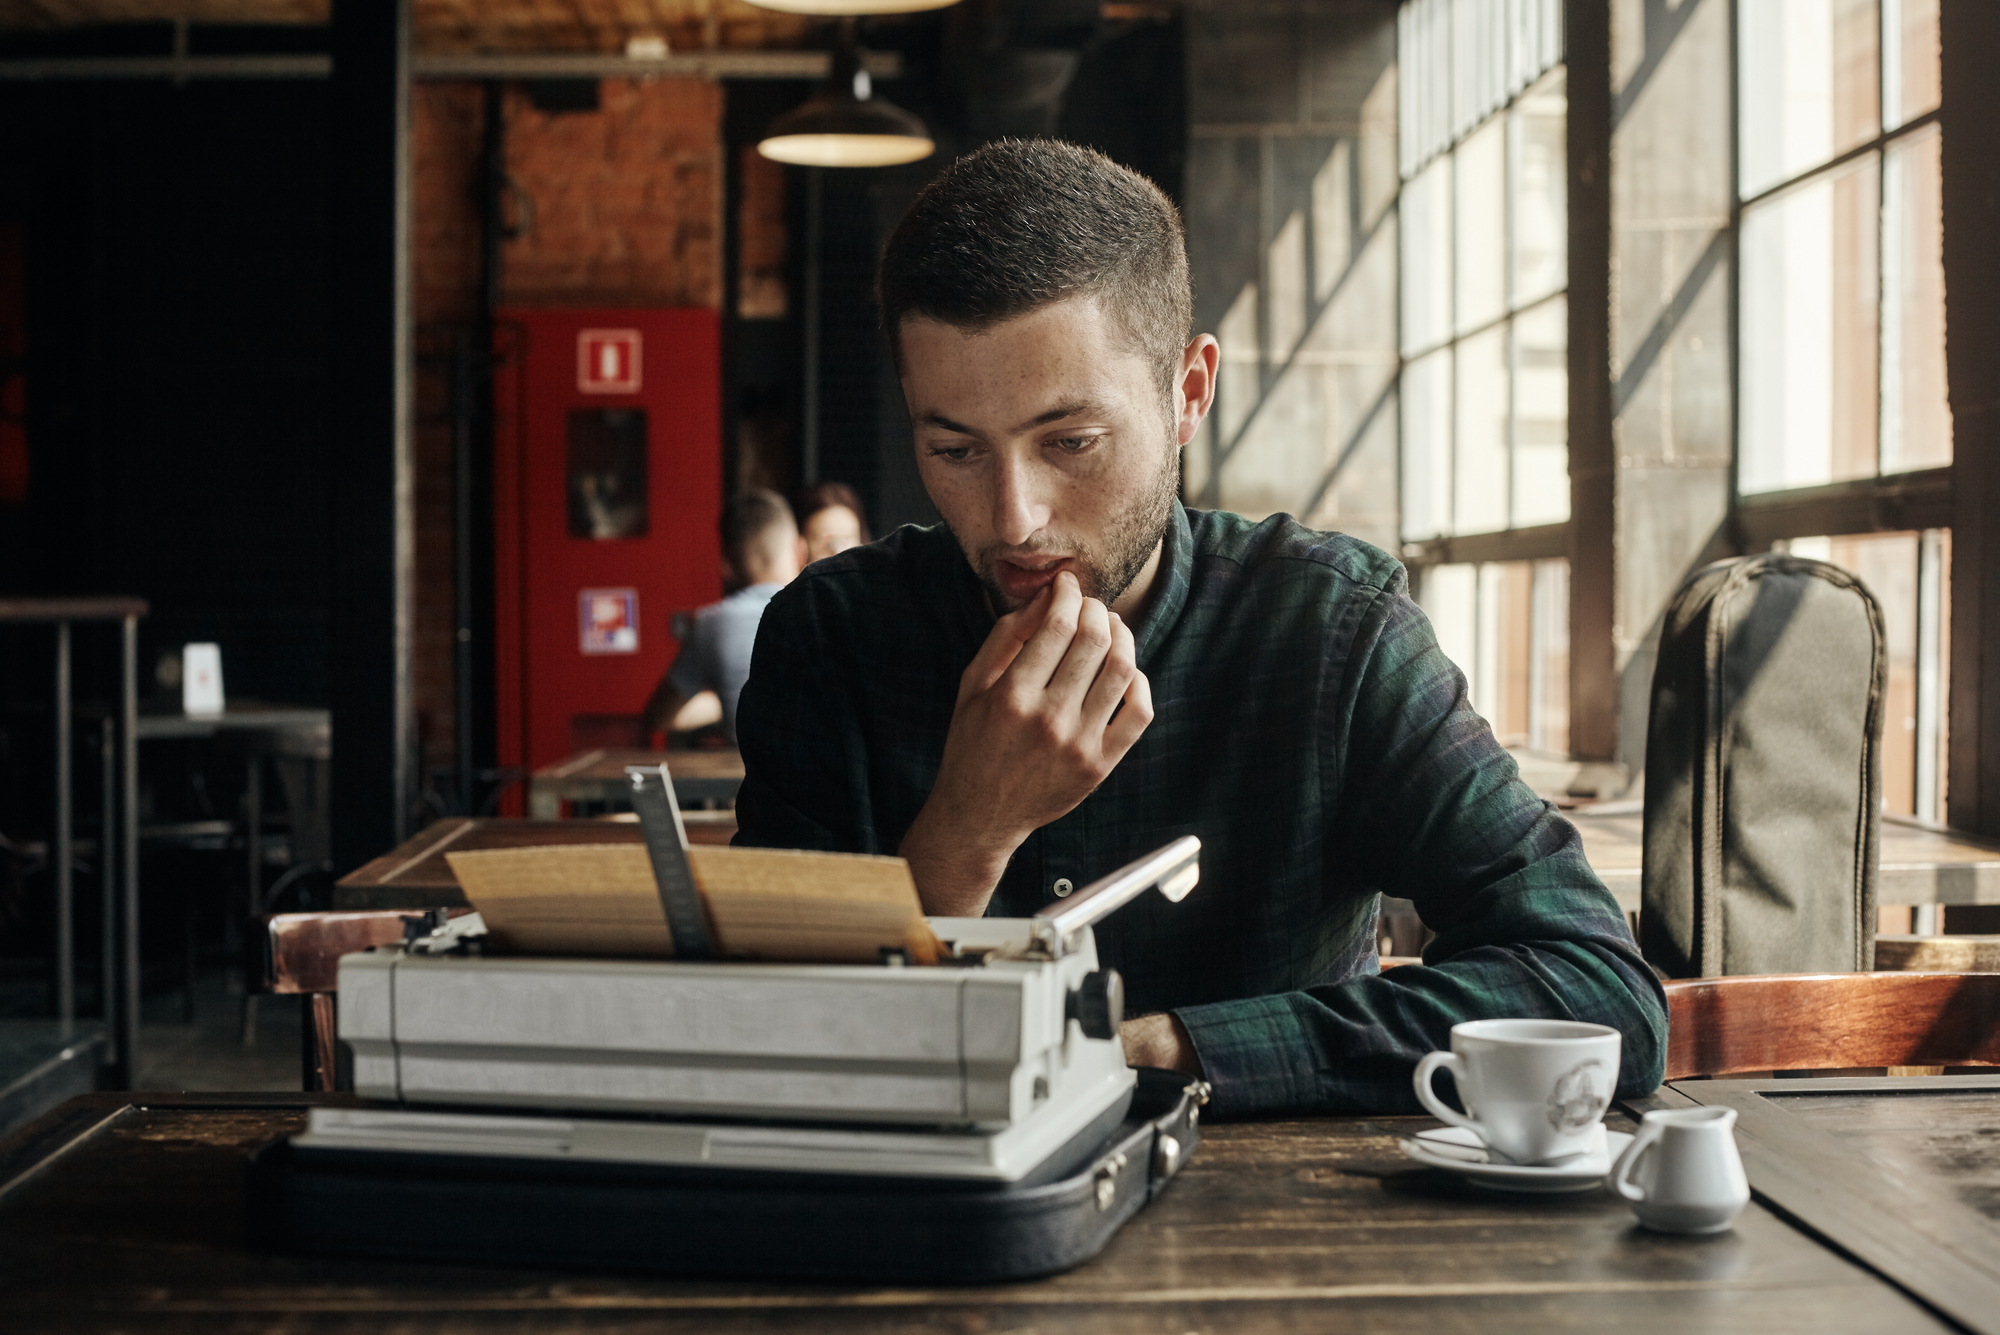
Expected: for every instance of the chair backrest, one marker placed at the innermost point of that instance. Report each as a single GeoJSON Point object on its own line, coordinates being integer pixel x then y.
{"type": "Point", "coordinates": [1764, 773]}
{"type": "Point", "coordinates": [1817, 1022]}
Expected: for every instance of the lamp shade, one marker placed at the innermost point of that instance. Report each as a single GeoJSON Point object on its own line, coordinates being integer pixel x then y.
{"type": "Point", "coordinates": [831, 130]}
{"type": "Point", "coordinates": [844, 124]}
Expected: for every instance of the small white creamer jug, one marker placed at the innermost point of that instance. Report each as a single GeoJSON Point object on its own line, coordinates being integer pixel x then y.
{"type": "Point", "coordinates": [1681, 1173]}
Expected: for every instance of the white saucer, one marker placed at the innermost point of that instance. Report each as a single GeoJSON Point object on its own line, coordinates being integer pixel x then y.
{"type": "Point", "coordinates": [1460, 1150]}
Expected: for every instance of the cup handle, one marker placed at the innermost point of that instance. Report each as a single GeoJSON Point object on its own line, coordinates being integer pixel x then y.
{"type": "Point", "coordinates": [1426, 1071]}
{"type": "Point", "coordinates": [1620, 1179]}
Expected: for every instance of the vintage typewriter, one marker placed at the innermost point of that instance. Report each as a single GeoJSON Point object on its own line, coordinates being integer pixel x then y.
{"type": "Point", "coordinates": [839, 1104]}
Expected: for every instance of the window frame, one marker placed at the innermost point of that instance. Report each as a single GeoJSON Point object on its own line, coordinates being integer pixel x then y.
{"type": "Point", "coordinates": [1915, 500]}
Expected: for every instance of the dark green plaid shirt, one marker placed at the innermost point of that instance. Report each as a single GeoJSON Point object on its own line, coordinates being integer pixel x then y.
{"type": "Point", "coordinates": [1307, 727]}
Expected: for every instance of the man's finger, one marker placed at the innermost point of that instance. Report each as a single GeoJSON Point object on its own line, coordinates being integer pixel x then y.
{"type": "Point", "coordinates": [1046, 647]}
{"type": "Point", "coordinates": [1121, 664]}
{"type": "Point", "coordinates": [1003, 643]}
{"type": "Point", "coordinates": [1132, 719]}
{"type": "Point", "coordinates": [1070, 683]}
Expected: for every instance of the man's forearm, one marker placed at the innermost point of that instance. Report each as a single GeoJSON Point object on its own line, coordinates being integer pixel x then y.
{"type": "Point", "coordinates": [1159, 1040]}
{"type": "Point", "coordinates": [955, 874]}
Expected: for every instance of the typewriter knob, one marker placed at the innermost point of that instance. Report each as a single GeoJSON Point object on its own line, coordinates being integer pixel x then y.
{"type": "Point", "coordinates": [1099, 1004]}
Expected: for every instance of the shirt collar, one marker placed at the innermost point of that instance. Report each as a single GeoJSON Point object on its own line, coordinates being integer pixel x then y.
{"type": "Point", "coordinates": [1170, 587]}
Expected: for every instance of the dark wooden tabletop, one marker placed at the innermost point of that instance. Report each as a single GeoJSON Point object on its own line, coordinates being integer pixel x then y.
{"type": "Point", "coordinates": [599, 776]}
{"type": "Point", "coordinates": [1902, 1173]}
{"type": "Point", "coordinates": [126, 1212]}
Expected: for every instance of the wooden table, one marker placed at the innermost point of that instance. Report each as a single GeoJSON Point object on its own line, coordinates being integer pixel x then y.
{"type": "Point", "coordinates": [700, 777]}
{"type": "Point", "coordinates": [416, 876]}
{"type": "Point", "coordinates": [1902, 1173]}
{"type": "Point", "coordinates": [1922, 863]}
{"type": "Point", "coordinates": [124, 1212]}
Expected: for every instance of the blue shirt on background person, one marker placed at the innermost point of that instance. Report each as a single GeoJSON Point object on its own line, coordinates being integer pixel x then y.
{"type": "Point", "coordinates": [715, 652]}
{"type": "Point", "coordinates": [760, 548]}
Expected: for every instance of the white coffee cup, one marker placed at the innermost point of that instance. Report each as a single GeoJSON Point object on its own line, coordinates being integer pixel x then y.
{"type": "Point", "coordinates": [1692, 1180]}
{"type": "Point", "coordinates": [1534, 1090]}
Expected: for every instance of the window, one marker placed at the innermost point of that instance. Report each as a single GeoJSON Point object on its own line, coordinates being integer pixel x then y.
{"type": "Point", "coordinates": [1841, 371]}
{"type": "Point", "coordinates": [1484, 349]}
{"type": "Point", "coordinates": [1841, 297]}
{"type": "Point", "coordinates": [1484, 265]}
{"type": "Point", "coordinates": [1506, 625]}
{"type": "Point", "coordinates": [1910, 576]}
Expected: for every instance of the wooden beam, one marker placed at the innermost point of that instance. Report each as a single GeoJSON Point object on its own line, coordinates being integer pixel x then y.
{"type": "Point", "coordinates": [1971, 41]}
{"type": "Point", "coordinates": [1593, 459]}
{"type": "Point", "coordinates": [1545, 542]}
{"type": "Point", "coordinates": [1889, 504]}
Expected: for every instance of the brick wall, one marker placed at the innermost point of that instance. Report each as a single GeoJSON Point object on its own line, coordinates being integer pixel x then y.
{"type": "Point", "coordinates": [622, 206]}
{"type": "Point", "coordinates": [626, 201]}
{"type": "Point", "coordinates": [760, 224]}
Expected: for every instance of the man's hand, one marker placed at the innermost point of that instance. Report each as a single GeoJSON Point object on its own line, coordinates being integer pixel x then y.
{"type": "Point", "coordinates": [1031, 737]}
{"type": "Point", "coordinates": [1159, 1040]}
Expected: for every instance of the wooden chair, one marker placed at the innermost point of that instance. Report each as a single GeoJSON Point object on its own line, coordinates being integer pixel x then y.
{"type": "Point", "coordinates": [1829, 1021]}
{"type": "Point", "coordinates": [301, 957]}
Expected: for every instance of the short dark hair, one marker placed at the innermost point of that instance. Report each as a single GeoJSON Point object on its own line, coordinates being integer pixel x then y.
{"type": "Point", "coordinates": [824, 496]}
{"type": "Point", "coordinates": [748, 517]}
{"type": "Point", "coordinates": [1016, 225]}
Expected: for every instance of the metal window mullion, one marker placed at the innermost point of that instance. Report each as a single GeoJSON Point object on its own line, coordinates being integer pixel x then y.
{"type": "Point", "coordinates": [1876, 145]}
{"type": "Point", "coordinates": [1734, 314]}
{"type": "Point", "coordinates": [1884, 339]}
{"type": "Point", "coordinates": [1930, 706]}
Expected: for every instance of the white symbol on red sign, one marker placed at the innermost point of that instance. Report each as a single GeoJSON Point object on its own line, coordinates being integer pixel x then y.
{"type": "Point", "coordinates": [607, 361]}
{"type": "Point", "coordinates": [609, 620]}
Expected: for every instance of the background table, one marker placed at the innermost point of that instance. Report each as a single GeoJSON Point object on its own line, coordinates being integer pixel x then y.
{"type": "Point", "coordinates": [700, 777]}
{"type": "Point", "coordinates": [1922, 863]}
{"type": "Point", "coordinates": [118, 1211]}
{"type": "Point", "coordinates": [416, 876]}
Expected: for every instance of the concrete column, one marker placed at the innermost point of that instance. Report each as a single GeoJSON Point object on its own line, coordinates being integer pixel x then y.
{"type": "Point", "coordinates": [374, 763]}
{"type": "Point", "coordinates": [1671, 322]}
{"type": "Point", "coordinates": [1291, 186]}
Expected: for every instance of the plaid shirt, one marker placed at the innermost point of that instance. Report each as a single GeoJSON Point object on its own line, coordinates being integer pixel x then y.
{"type": "Point", "coordinates": [1307, 727]}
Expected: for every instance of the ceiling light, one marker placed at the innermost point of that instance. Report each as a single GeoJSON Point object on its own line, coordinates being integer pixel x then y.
{"type": "Point", "coordinates": [844, 124]}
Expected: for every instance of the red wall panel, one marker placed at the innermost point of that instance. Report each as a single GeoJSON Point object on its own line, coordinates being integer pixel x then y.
{"type": "Point", "coordinates": [544, 677]}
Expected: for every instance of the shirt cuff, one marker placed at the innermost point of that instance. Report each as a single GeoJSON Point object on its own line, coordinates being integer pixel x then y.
{"type": "Point", "coordinates": [1256, 1053]}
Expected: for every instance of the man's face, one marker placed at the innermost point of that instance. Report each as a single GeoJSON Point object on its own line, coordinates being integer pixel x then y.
{"type": "Point", "coordinates": [1047, 444]}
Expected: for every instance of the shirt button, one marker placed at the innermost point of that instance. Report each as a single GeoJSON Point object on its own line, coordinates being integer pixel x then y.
{"type": "Point", "coordinates": [1062, 887]}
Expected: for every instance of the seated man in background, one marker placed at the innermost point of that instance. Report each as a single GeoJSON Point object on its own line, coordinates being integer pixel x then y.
{"type": "Point", "coordinates": [1074, 669]}
{"type": "Point", "coordinates": [760, 545]}
{"type": "Point", "coordinates": [830, 521]}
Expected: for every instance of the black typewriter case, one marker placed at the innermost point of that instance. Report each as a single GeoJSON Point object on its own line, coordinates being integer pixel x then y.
{"type": "Point", "coordinates": [728, 1222]}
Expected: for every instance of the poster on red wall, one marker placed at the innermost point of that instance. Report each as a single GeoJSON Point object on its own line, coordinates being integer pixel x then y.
{"type": "Point", "coordinates": [609, 620]}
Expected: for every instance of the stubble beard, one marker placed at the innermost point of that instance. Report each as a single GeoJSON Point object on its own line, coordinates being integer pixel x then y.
{"type": "Point", "coordinates": [1104, 569]}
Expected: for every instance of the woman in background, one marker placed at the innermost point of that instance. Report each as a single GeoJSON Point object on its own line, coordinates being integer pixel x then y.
{"type": "Point", "coordinates": [830, 521]}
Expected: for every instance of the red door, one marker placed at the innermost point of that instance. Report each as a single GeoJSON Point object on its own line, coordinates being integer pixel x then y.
{"type": "Point", "coordinates": [607, 489]}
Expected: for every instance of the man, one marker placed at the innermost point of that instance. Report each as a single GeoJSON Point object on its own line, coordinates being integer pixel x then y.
{"type": "Point", "coordinates": [760, 551]}
{"type": "Point", "coordinates": [1075, 669]}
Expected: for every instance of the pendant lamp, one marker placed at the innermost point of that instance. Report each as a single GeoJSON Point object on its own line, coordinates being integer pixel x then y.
{"type": "Point", "coordinates": [844, 124]}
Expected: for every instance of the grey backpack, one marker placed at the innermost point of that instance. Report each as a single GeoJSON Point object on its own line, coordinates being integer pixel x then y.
{"type": "Point", "coordinates": [1764, 772]}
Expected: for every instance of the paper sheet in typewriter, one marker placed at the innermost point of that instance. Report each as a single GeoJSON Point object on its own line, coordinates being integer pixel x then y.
{"type": "Point", "coordinates": [763, 903]}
